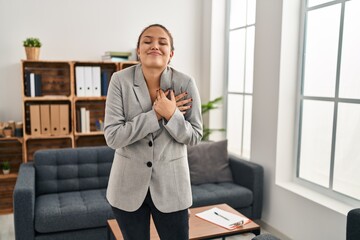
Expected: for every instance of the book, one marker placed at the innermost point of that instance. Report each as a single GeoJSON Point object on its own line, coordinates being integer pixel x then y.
{"type": "Point", "coordinates": [117, 54]}
{"type": "Point", "coordinates": [114, 58]}
{"type": "Point", "coordinates": [223, 218]}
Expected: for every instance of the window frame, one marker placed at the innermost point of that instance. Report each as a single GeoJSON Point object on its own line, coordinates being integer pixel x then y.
{"type": "Point", "coordinates": [327, 191]}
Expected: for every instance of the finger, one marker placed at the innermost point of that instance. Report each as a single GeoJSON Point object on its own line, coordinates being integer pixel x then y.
{"type": "Point", "coordinates": [183, 102]}
{"type": "Point", "coordinates": [158, 94]}
{"type": "Point", "coordinates": [180, 96]}
{"type": "Point", "coordinates": [184, 108]}
{"type": "Point", "coordinates": [172, 95]}
{"type": "Point", "coordinates": [183, 113]}
{"type": "Point", "coordinates": [162, 94]}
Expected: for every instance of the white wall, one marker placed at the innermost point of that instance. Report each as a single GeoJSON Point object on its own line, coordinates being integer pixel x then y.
{"type": "Point", "coordinates": [85, 29]}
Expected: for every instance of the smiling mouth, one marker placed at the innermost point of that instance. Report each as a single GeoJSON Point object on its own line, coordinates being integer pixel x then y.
{"type": "Point", "coordinates": [154, 53]}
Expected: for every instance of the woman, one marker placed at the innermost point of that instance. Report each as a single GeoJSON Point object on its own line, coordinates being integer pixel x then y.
{"type": "Point", "coordinates": [149, 128]}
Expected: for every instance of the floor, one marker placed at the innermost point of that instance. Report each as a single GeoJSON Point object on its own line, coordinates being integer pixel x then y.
{"type": "Point", "coordinates": [7, 229]}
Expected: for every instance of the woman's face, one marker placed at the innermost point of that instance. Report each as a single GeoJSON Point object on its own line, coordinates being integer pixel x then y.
{"type": "Point", "coordinates": [155, 48]}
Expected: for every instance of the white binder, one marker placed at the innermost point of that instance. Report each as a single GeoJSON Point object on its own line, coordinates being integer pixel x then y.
{"type": "Point", "coordinates": [96, 81]}
{"type": "Point", "coordinates": [88, 81]}
{"type": "Point", "coordinates": [80, 81]}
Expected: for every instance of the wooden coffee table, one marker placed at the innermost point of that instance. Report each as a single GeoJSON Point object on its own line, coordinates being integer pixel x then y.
{"type": "Point", "coordinates": [198, 228]}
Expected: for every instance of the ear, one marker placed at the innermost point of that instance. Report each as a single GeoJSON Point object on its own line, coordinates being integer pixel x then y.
{"type": "Point", "coordinates": [138, 53]}
{"type": "Point", "coordinates": [171, 55]}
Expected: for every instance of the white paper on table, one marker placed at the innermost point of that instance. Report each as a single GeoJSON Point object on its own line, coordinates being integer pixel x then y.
{"type": "Point", "coordinates": [223, 218]}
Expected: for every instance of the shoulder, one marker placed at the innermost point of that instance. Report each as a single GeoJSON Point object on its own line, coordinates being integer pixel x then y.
{"type": "Point", "coordinates": [126, 73]}
{"type": "Point", "coordinates": [180, 75]}
{"type": "Point", "coordinates": [125, 76]}
{"type": "Point", "coordinates": [182, 78]}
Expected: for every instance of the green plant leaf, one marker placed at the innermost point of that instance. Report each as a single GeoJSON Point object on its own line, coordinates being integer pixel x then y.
{"type": "Point", "coordinates": [32, 42]}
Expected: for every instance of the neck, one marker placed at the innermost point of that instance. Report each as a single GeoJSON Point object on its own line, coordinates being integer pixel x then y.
{"type": "Point", "coordinates": [152, 76]}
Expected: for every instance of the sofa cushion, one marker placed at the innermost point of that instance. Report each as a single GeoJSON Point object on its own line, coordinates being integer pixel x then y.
{"type": "Point", "coordinates": [71, 210]}
{"type": "Point", "coordinates": [72, 169]}
{"type": "Point", "coordinates": [232, 194]}
{"type": "Point", "coordinates": [209, 163]}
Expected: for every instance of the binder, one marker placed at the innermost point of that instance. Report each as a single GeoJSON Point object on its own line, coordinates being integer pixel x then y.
{"type": "Point", "coordinates": [35, 120]}
{"type": "Point", "coordinates": [96, 81]}
{"type": "Point", "coordinates": [87, 120]}
{"type": "Point", "coordinates": [45, 119]}
{"type": "Point", "coordinates": [32, 84]}
{"type": "Point", "coordinates": [55, 119]}
{"type": "Point", "coordinates": [80, 81]}
{"type": "Point", "coordinates": [83, 119]}
{"type": "Point", "coordinates": [64, 119]}
{"type": "Point", "coordinates": [38, 85]}
{"type": "Point", "coordinates": [27, 84]}
{"type": "Point", "coordinates": [88, 81]}
{"type": "Point", "coordinates": [104, 83]}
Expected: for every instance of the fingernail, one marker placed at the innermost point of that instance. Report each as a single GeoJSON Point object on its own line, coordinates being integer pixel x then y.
{"type": "Point", "coordinates": [186, 92]}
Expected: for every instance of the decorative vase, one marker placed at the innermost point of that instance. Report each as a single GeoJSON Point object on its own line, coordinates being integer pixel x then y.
{"type": "Point", "coordinates": [32, 53]}
{"type": "Point", "coordinates": [6, 171]}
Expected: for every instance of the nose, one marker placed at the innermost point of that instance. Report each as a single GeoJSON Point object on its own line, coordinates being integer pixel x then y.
{"type": "Point", "coordinates": [154, 46]}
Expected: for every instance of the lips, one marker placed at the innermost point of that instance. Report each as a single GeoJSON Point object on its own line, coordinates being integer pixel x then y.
{"type": "Point", "coordinates": [154, 53]}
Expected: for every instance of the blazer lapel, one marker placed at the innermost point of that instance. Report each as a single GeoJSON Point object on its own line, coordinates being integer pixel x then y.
{"type": "Point", "coordinates": [141, 90]}
{"type": "Point", "coordinates": [166, 79]}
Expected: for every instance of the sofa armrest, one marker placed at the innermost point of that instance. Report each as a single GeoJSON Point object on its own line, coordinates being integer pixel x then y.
{"type": "Point", "coordinates": [249, 175]}
{"type": "Point", "coordinates": [353, 224]}
{"type": "Point", "coordinates": [24, 202]}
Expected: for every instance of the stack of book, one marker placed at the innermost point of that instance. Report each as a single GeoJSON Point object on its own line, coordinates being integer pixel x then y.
{"type": "Point", "coordinates": [113, 56]}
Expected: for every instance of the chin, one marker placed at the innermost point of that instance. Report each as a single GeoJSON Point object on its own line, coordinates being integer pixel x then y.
{"type": "Point", "coordinates": [154, 64]}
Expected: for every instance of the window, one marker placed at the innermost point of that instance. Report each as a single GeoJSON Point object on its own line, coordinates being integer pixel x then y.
{"type": "Point", "coordinates": [241, 37]}
{"type": "Point", "coordinates": [329, 102]}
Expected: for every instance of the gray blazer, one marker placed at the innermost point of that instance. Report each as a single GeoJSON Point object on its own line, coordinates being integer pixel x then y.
{"type": "Point", "coordinates": [150, 154]}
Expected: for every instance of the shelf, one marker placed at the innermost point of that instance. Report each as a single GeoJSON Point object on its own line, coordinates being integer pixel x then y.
{"type": "Point", "coordinates": [27, 137]}
{"type": "Point", "coordinates": [47, 98]}
{"type": "Point", "coordinates": [19, 139]}
{"type": "Point", "coordinates": [8, 176]}
{"type": "Point", "coordinates": [95, 133]}
{"type": "Point", "coordinates": [102, 98]}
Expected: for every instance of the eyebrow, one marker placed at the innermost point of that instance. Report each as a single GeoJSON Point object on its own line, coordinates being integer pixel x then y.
{"type": "Point", "coordinates": [161, 38]}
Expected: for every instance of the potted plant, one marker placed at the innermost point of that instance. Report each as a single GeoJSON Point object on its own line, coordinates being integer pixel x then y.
{"type": "Point", "coordinates": [5, 167]}
{"type": "Point", "coordinates": [206, 107]}
{"type": "Point", "coordinates": [32, 48]}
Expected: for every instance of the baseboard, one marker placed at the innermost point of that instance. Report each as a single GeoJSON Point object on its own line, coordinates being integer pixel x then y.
{"type": "Point", "coordinates": [269, 229]}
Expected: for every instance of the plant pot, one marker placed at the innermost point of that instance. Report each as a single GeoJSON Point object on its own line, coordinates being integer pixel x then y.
{"type": "Point", "coordinates": [32, 53]}
{"type": "Point", "coordinates": [7, 171]}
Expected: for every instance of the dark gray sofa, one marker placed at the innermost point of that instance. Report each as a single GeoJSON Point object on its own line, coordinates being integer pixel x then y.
{"type": "Point", "coordinates": [61, 195]}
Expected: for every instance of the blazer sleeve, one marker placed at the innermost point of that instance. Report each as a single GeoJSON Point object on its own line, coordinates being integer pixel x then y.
{"type": "Point", "coordinates": [117, 131]}
{"type": "Point", "coordinates": [188, 128]}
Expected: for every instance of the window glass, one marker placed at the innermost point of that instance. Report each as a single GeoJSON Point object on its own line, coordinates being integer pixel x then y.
{"type": "Point", "coordinates": [350, 58]}
{"type": "Point", "coordinates": [315, 146]}
{"type": "Point", "coordinates": [237, 13]}
{"type": "Point", "coordinates": [322, 35]}
{"type": "Point", "coordinates": [249, 72]}
{"type": "Point", "coordinates": [236, 60]}
{"type": "Point", "coordinates": [312, 3]}
{"type": "Point", "coordinates": [347, 154]}
{"type": "Point", "coordinates": [235, 122]}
